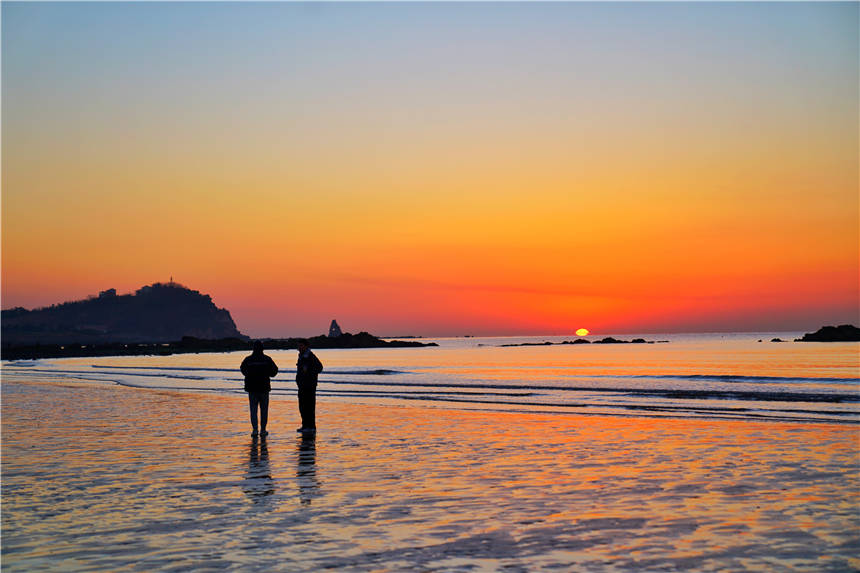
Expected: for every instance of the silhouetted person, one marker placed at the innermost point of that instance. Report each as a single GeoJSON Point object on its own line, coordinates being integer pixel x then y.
{"type": "Point", "coordinates": [258, 369]}
{"type": "Point", "coordinates": [307, 370]}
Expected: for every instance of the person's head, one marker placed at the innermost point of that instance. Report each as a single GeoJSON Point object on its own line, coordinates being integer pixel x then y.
{"type": "Point", "coordinates": [303, 344]}
{"type": "Point", "coordinates": [258, 347]}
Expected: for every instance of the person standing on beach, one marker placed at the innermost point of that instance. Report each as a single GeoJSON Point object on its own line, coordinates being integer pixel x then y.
{"type": "Point", "coordinates": [307, 370]}
{"type": "Point", "coordinates": [258, 370]}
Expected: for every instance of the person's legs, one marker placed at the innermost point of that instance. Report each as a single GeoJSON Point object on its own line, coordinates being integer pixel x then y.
{"type": "Point", "coordinates": [307, 405]}
{"type": "Point", "coordinates": [302, 405]}
{"type": "Point", "coordinates": [264, 411]}
{"type": "Point", "coordinates": [312, 407]}
{"type": "Point", "coordinates": [253, 399]}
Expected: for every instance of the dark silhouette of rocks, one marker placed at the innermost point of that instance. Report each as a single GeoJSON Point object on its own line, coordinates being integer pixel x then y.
{"type": "Point", "coordinates": [610, 340]}
{"type": "Point", "coordinates": [842, 333]}
{"type": "Point", "coordinates": [156, 313]}
{"type": "Point", "coordinates": [345, 340]}
{"type": "Point", "coordinates": [607, 340]}
{"type": "Point", "coordinates": [777, 340]}
{"type": "Point", "coordinates": [81, 347]}
{"type": "Point", "coordinates": [334, 330]}
{"type": "Point", "coordinates": [190, 344]}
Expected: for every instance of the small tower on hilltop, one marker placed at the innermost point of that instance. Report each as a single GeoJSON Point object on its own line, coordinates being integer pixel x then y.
{"type": "Point", "coordinates": [334, 330]}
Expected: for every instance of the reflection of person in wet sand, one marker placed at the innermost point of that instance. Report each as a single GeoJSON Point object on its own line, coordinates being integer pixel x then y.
{"type": "Point", "coordinates": [258, 481]}
{"type": "Point", "coordinates": [306, 472]}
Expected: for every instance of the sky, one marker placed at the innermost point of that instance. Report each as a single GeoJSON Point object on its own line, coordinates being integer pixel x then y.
{"type": "Point", "coordinates": [439, 168]}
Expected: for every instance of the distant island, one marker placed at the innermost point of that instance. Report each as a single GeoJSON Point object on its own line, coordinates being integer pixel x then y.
{"type": "Point", "coordinates": [842, 333]}
{"type": "Point", "coordinates": [607, 340]}
{"type": "Point", "coordinates": [162, 318]}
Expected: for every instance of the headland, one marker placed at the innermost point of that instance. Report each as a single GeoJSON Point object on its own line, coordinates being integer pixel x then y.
{"type": "Point", "coordinates": [161, 318]}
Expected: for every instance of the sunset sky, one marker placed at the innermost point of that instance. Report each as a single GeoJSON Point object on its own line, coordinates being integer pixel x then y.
{"type": "Point", "coordinates": [439, 169]}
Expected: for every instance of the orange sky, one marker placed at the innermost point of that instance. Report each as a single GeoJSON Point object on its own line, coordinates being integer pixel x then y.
{"type": "Point", "coordinates": [406, 172]}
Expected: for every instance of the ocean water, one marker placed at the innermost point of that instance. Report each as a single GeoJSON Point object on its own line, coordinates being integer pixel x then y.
{"type": "Point", "coordinates": [705, 453]}
{"type": "Point", "coordinates": [725, 376]}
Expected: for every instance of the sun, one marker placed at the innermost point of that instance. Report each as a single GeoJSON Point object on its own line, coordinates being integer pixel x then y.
{"type": "Point", "coordinates": [582, 332]}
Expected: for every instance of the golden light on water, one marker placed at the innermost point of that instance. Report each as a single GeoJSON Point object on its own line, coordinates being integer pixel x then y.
{"type": "Point", "coordinates": [582, 332]}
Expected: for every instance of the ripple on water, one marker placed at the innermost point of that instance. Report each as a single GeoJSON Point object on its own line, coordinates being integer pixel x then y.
{"type": "Point", "coordinates": [121, 479]}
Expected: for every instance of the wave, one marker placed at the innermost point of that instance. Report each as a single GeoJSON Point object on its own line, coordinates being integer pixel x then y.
{"type": "Point", "coordinates": [729, 378]}
{"type": "Point", "coordinates": [670, 393]}
{"type": "Point", "coordinates": [483, 399]}
{"type": "Point", "coordinates": [55, 371]}
{"type": "Point", "coordinates": [491, 400]}
{"type": "Point", "coordinates": [376, 372]}
{"type": "Point", "coordinates": [686, 394]}
{"type": "Point", "coordinates": [645, 407]}
{"type": "Point", "coordinates": [167, 368]}
{"type": "Point", "coordinates": [723, 378]}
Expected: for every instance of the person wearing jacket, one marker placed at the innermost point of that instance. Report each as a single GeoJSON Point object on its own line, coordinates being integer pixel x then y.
{"type": "Point", "coordinates": [258, 369]}
{"type": "Point", "coordinates": [308, 368]}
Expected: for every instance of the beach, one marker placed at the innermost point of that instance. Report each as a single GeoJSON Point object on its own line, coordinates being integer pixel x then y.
{"type": "Point", "coordinates": [582, 278]}
{"type": "Point", "coordinates": [99, 477]}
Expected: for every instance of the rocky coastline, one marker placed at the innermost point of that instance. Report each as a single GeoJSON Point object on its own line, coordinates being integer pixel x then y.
{"type": "Point", "coordinates": [841, 333]}
{"type": "Point", "coordinates": [189, 345]}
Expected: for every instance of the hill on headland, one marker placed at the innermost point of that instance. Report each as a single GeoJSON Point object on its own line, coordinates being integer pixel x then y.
{"type": "Point", "coordinates": [162, 318]}
{"type": "Point", "coordinates": [160, 312]}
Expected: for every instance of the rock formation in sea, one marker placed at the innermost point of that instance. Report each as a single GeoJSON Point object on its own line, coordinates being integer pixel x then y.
{"type": "Point", "coordinates": [160, 312]}
{"type": "Point", "coordinates": [842, 333]}
{"type": "Point", "coordinates": [607, 340]}
{"type": "Point", "coordinates": [345, 340]}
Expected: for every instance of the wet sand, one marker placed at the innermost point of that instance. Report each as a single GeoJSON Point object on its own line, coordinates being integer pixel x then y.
{"type": "Point", "coordinates": [119, 479]}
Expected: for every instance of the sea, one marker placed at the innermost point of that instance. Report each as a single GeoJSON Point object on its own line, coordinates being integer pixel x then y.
{"type": "Point", "coordinates": [746, 376]}
{"type": "Point", "coordinates": [699, 452]}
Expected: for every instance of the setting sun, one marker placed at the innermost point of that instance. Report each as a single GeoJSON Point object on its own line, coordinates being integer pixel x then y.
{"type": "Point", "coordinates": [582, 332]}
